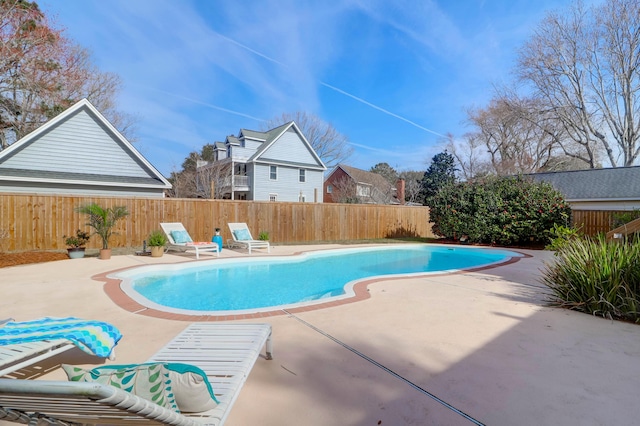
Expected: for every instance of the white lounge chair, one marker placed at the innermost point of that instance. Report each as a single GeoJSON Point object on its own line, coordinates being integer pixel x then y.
{"type": "Point", "coordinates": [241, 237]}
{"type": "Point", "coordinates": [179, 239]}
{"type": "Point", "coordinates": [226, 352]}
{"type": "Point", "coordinates": [19, 356]}
{"type": "Point", "coordinates": [27, 343]}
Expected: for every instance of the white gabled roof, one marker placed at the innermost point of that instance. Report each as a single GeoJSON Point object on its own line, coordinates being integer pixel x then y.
{"type": "Point", "coordinates": [61, 169]}
{"type": "Point", "coordinates": [272, 137]}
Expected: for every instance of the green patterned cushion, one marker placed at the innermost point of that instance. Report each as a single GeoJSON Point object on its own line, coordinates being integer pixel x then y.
{"type": "Point", "coordinates": [191, 387]}
{"type": "Point", "coordinates": [148, 381]}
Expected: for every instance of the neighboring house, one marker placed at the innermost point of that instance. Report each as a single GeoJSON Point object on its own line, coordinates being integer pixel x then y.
{"type": "Point", "coordinates": [276, 165]}
{"type": "Point", "coordinates": [78, 153]}
{"type": "Point", "coordinates": [346, 184]}
{"type": "Point", "coordinates": [597, 189]}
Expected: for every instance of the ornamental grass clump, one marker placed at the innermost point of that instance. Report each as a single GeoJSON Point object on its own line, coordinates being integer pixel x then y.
{"type": "Point", "coordinates": [596, 276]}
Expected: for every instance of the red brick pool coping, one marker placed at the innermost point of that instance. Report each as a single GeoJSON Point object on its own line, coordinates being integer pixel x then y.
{"type": "Point", "coordinates": [120, 298]}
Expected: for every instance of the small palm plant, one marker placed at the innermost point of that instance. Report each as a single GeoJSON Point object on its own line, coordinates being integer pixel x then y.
{"type": "Point", "coordinates": [102, 220]}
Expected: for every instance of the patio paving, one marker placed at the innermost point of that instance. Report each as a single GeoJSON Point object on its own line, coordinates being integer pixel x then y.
{"type": "Point", "coordinates": [425, 350]}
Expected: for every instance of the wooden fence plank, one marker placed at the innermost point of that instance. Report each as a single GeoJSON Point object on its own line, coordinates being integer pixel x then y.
{"type": "Point", "coordinates": [39, 222]}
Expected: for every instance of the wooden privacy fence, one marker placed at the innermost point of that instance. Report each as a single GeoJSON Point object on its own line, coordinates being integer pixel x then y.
{"type": "Point", "coordinates": [39, 222]}
{"type": "Point", "coordinates": [592, 222]}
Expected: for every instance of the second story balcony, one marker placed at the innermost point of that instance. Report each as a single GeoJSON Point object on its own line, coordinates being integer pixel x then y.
{"type": "Point", "coordinates": [240, 183]}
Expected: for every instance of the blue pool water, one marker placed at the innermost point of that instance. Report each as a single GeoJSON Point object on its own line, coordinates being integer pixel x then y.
{"type": "Point", "coordinates": [265, 282]}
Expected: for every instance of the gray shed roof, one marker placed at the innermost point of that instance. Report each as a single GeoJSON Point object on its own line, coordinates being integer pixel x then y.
{"type": "Point", "coordinates": [622, 183]}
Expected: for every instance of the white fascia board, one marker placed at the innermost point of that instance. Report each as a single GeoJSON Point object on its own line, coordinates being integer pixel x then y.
{"type": "Point", "coordinates": [285, 164]}
{"type": "Point", "coordinates": [600, 200]}
{"type": "Point", "coordinates": [83, 182]}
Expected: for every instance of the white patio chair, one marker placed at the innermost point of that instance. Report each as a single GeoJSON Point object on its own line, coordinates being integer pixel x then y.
{"type": "Point", "coordinates": [19, 356]}
{"type": "Point", "coordinates": [226, 353]}
{"type": "Point", "coordinates": [33, 341]}
{"type": "Point", "coordinates": [241, 237]}
{"type": "Point", "coordinates": [179, 239]}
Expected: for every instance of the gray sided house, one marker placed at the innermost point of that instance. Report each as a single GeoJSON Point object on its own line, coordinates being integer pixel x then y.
{"type": "Point", "coordinates": [597, 189]}
{"type": "Point", "coordinates": [276, 165]}
{"type": "Point", "coordinates": [78, 153]}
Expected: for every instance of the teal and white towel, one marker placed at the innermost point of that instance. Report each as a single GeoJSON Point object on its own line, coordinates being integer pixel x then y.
{"type": "Point", "coordinates": [93, 337]}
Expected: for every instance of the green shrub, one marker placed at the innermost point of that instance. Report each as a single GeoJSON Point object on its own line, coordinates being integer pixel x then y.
{"type": "Point", "coordinates": [560, 236]}
{"type": "Point", "coordinates": [596, 276]}
{"type": "Point", "coordinates": [621, 218]}
{"type": "Point", "coordinates": [264, 236]}
{"type": "Point", "coordinates": [501, 210]}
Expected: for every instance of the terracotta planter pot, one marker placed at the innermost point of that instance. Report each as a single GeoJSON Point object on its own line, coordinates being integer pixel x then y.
{"type": "Point", "coordinates": [105, 254]}
{"type": "Point", "coordinates": [157, 251]}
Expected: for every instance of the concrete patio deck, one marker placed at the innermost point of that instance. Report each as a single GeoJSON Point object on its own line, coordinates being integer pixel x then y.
{"type": "Point", "coordinates": [483, 342]}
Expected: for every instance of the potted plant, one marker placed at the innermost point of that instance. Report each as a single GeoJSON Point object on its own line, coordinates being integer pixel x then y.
{"type": "Point", "coordinates": [76, 244]}
{"type": "Point", "coordinates": [264, 236]}
{"type": "Point", "coordinates": [102, 220]}
{"type": "Point", "coordinates": [157, 240]}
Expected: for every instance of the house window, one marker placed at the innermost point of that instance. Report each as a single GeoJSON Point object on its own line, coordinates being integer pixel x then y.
{"type": "Point", "coordinates": [329, 189]}
{"type": "Point", "coordinates": [273, 197]}
{"type": "Point", "coordinates": [273, 172]}
{"type": "Point", "coordinates": [363, 191]}
{"type": "Point", "coordinates": [303, 176]}
{"type": "Point", "coordinates": [241, 169]}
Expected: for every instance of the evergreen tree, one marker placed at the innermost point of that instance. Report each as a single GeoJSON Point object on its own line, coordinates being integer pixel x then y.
{"type": "Point", "coordinates": [386, 171]}
{"type": "Point", "coordinates": [442, 171]}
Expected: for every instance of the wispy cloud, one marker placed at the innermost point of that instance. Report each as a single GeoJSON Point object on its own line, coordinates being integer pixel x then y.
{"type": "Point", "coordinates": [343, 92]}
{"type": "Point", "coordinates": [380, 109]}
{"type": "Point", "coordinates": [206, 104]}
{"type": "Point", "coordinates": [394, 76]}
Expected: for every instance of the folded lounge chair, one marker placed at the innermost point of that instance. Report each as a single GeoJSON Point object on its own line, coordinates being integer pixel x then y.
{"type": "Point", "coordinates": [225, 352]}
{"type": "Point", "coordinates": [241, 237]}
{"type": "Point", "coordinates": [179, 239]}
{"type": "Point", "coordinates": [23, 344]}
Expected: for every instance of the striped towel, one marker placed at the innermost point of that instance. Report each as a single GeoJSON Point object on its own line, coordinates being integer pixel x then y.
{"type": "Point", "coordinates": [93, 337]}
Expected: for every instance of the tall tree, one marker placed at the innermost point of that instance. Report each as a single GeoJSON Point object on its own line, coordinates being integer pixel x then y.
{"type": "Point", "coordinates": [442, 171]}
{"type": "Point", "coordinates": [469, 154]}
{"type": "Point", "coordinates": [584, 66]}
{"type": "Point", "coordinates": [42, 73]}
{"type": "Point", "coordinates": [199, 175]}
{"type": "Point", "coordinates": [386, 171]}
{"type": "Point", "coordinates": [517, 136]}
{"type": "Point", "coordinates": [331, 146]}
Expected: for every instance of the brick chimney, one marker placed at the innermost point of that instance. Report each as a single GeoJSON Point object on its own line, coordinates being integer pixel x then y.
{"type": "Point", "coordinates": [400, 190]}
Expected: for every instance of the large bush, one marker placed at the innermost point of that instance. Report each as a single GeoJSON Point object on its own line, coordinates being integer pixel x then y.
{"type": "Point", "coordinates": [498, 210]}
{"type": "Point", "coordinates": [596, 276]}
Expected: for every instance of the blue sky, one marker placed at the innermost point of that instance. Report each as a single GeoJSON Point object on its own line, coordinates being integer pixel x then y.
{"type": "Point", "coordinates": [394, 76]}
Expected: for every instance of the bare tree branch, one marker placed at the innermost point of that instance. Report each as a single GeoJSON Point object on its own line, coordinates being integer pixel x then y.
{"type": "Point", "coordinates": [331, 146]}
{"type": "Point", "coordinates": [584, 67]}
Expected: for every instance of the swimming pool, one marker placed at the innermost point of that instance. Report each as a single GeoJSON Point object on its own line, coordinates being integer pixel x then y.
{"type": "Point", "coordinates": [244, 285]}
